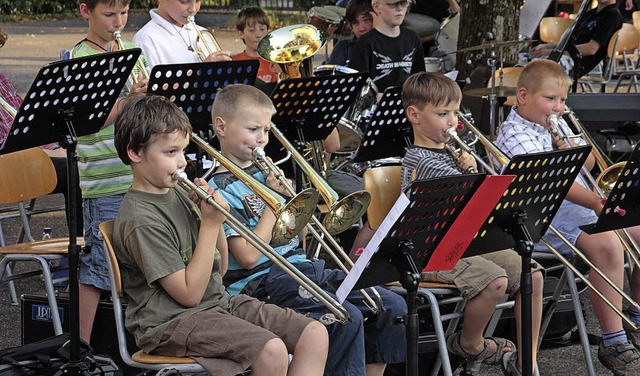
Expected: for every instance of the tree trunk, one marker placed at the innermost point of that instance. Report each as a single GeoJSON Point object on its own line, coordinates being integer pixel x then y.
{"type": "Point", "coordinates": [477, 19]}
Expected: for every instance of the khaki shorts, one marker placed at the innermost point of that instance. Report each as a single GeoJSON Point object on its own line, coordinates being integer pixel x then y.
{"type": "Point", "coordinates": [473, 274]}
{"type": "Point", "coordinates": [228, 342]}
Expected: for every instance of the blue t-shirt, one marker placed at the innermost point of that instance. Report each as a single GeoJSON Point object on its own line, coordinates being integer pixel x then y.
{"type": "Point", "coordinates": [248, 207]}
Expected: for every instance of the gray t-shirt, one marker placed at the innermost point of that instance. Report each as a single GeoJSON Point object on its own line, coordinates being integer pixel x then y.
{"type": "Point", "coordinates": [154, 236]}
{"type": "Point", "coordinates": [427, 163]}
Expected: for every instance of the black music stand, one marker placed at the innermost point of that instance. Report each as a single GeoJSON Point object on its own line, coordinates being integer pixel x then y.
{"type": "Point", "coordinates": [388, 133]}
{"type": "Point", "coordinates": [435, 205]}
{"type": "Point", "coordinates": [622, 208]}
{"type": "Point", "coordinates": [307, 109]}
{"type": "Point", "coordinates": [524, 214]}
{"type": "Point", "coordinates": [193, 88]}
{"type": "Point", "coordinates": [68, 99]}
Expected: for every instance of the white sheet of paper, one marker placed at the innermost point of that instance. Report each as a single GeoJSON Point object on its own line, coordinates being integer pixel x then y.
{"type": "Point", "coordinates": [371, 248]}
{"type": "Point", "coordinates": [452, 75]}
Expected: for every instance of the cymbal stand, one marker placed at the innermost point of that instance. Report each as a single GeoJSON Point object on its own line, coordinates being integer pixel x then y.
{"type": "Point", "coordinates": [492, 61]}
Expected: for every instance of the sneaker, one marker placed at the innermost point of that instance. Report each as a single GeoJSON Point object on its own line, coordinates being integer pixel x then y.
{"type": "Point", "coordinates": [633, 335]}
{"type": "Point", "coordinates": [622, 358]}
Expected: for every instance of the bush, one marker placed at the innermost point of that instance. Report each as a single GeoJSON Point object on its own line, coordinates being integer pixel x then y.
{"type": "Point", "coordinates": [36, 7]}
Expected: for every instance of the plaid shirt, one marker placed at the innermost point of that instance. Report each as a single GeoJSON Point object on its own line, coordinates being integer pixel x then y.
{"type": "Point", "coordinates": [9, 93]}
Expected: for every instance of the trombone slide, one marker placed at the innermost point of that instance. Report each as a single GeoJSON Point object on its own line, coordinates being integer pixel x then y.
{"type": "Point", "coordinates": [336, 308]}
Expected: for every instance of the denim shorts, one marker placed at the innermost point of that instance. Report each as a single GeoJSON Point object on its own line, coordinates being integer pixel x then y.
{"type": "Point", "coordinates": [567, 221]}
{"type": "Point", "coordinates": [93, 265]}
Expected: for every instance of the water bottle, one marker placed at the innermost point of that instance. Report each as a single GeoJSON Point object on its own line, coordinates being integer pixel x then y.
{"type": "Point", "coordinates": [46, 233]}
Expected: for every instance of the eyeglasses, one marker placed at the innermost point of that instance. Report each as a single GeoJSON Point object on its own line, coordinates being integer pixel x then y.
{"type": "Point", "coordinates": [399, 4]}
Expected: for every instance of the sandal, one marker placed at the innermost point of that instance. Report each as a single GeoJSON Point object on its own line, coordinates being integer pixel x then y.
{"type": "Point", "coordinates": [509, 364]}
{"type": "Point", "coordinates": [453, 345]}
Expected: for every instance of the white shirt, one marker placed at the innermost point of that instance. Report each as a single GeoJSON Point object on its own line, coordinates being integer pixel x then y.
{"type": "Point", "coordinates": [164, 43]}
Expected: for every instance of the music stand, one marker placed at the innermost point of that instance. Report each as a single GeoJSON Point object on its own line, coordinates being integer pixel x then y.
{"type": "Point", "coordinates": [432, 208]}
{"type": "Point", "coordinates": [389, 127]}
{"type": "Point", "coordinates": [622, 208]}
{"type": "Point", "coordinates": [524, 214]}
{"type": "Point", "coordinates": [307, 109]}
{"type": "Point", "coordinates": [68, 99]}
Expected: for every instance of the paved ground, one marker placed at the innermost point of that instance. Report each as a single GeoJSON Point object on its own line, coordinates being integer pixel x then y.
{"type": "Point", "coordinates": [36, 43]}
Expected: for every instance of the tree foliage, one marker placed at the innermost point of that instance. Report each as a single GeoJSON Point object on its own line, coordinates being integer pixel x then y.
{"type": "Point", "coordinates": [35, 7]}
{"type": "Point", "coordinates": [479, 17]}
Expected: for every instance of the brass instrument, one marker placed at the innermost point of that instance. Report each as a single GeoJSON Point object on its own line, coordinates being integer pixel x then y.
{"type": "Point", "coordinates": [291, 216]}
{"type": "Point", "coordinates": [204, 41]}
{"type": "Point", "coordinates": [504, 160]}
{"type": "Point", "coordinates": [289, 46]}
{"type": "Point", "coordinates": [139, 64]}
{"type": "Point", "coordinates": [456, 153]}
{"type": "Point", "coordinates": [8, 107]}
{"type": "Point", "coordinates": [609, 171]}
{"type": "Point", "coordinates": [338, 310]}
{"type": "Point", "coordinates": [261, 160]}
{"type": "Point", "coordinates": [343, 212]}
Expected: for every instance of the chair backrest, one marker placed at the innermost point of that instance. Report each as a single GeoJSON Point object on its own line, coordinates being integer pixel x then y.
{"type": "Point", "coordinates": [383, 183]}
{"type": "Point", "coordinates": [551, 28]}
{"type": "Point", "coordinates": [106, 228]}
{"type": "Point", "coordinates": [510, 76]}
{"type": "Point", "coordinates": [628, 38]}
{"type": "Point", "coordinates": [635, 16]}
{"type": "Point", "coordinates": [26, 174]}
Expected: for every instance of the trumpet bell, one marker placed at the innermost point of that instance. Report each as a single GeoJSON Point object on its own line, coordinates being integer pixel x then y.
{"type": "Point", "coordinates": [291, 44]}
{"type": "Point", "coordinates": [294, 216]}
{"type": "Point", "coordinates": [607, 179]}
{"type": "Point", "coordinates": [344, 213]}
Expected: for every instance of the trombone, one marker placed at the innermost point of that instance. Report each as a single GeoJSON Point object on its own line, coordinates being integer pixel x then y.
{"type": "Point", "coordinates": [291, 217]}
{"type": "Point", "coordinates": [8, 107]}
{"type": "Point", "coordinates": [612, 171]}
{"type": "Point", "coordinates": [343, 212]}
{"type": "Point", "coordinates": [204, 41]}
{"type": "Point", "coordinates": [139, 64]}
{"type": "Point", "coordinates": [504, 160]}
{"type": "Point", "coordinates": [261, 160]}
{"type": "Point", "coordinates": [338, 310]}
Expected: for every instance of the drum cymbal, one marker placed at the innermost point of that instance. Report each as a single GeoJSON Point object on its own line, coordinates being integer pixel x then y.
{"type": "Point", "coordinates": [499, 91]}
{"type": "Point", "coordinates": [486, 46]}
{"type": "Point", "coordinates": [340, 11]}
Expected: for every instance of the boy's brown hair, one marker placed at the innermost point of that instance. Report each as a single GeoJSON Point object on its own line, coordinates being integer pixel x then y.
{"type": "Point", "coordinates": [356, 8]}
{"type": "Point", "coordinates": [427, 87]}
{"type": "Point", "coordinates": [144, 116]}
{"type": "Point", "coordinates": [91, 4]}
{"type": "Point", "coordinates": [251, 16]}
{"type": "Point", "coordinates": [538, 72]}
{"type": "Point", "coordinates": [231, 99]}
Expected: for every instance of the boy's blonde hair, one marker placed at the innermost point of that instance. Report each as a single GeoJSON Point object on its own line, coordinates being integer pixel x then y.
{"type": "Point", "coordinates": [232, 99]}
{"type": "Point", "coordinates": [538, 72]}
{"type": "Point", "coordinates": [251, 16]}
{"type": "Point", "coordinates": [423, 88]}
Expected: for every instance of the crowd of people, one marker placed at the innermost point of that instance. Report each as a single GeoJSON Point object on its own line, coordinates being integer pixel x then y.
{"type": "Point", "coordinates": [198, 288]}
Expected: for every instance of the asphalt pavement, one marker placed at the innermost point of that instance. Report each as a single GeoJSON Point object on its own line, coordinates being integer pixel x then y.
{"type": "Point", "coordinates": [33, 44]}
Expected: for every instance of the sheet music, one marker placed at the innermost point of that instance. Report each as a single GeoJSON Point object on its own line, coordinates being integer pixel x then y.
{"type": "Point", "coordinates": [356, 271]}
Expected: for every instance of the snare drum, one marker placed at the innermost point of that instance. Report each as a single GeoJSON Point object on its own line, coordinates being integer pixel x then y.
{"type": "Point", "coordinates": [351, 126]}
{"type": "Point", "coordinates": [433, 64]}
{"type": "Point", "coordinates": [447, 37]}
{"type": "Point", "coordinates": [324, 19]}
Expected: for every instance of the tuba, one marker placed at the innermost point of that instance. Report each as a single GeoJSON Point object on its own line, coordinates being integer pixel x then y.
{"type": "Point", "coordinates": [291, 45]}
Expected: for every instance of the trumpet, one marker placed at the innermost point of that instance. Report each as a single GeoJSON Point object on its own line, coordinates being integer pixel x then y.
{"type": "Point", "coordinates": [504, 160]}
{"type": "Point", "coordinates": [139, 64]}
{"type": "Point", "coordinates": [291, 217]}
{"type": "Point", "coordinates": [338, 310]}
{"type": "Point", "coordinates": [266, 165]}
{"type": "Point", "coordinates": [204, 41]}
{"type": "Point", "coordinates": [343, 212]}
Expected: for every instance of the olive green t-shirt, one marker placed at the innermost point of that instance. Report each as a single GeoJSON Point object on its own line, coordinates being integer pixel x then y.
{"type": "Point", "coordinates": [154, 236]}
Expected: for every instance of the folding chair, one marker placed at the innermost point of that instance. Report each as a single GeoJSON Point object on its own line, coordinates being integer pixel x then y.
{"type": "Point", "coordinates": [608, 68]}
{"type": "Point", "coordinates": [164, 365]}
{"type": "Point", "coordinates": [30, 174]}
{"type": "Point", "coordinates": [628, 42]}
{"type": "Point", "coordinates": [552, 28]}
{"type": "Point", "coordinates": [383, 183]}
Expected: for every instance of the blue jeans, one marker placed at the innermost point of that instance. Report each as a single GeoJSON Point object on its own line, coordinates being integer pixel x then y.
{"type": "Point", "coordinates": [355, 343]}
{"type": "Point", "coordinates": [93, 265]}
